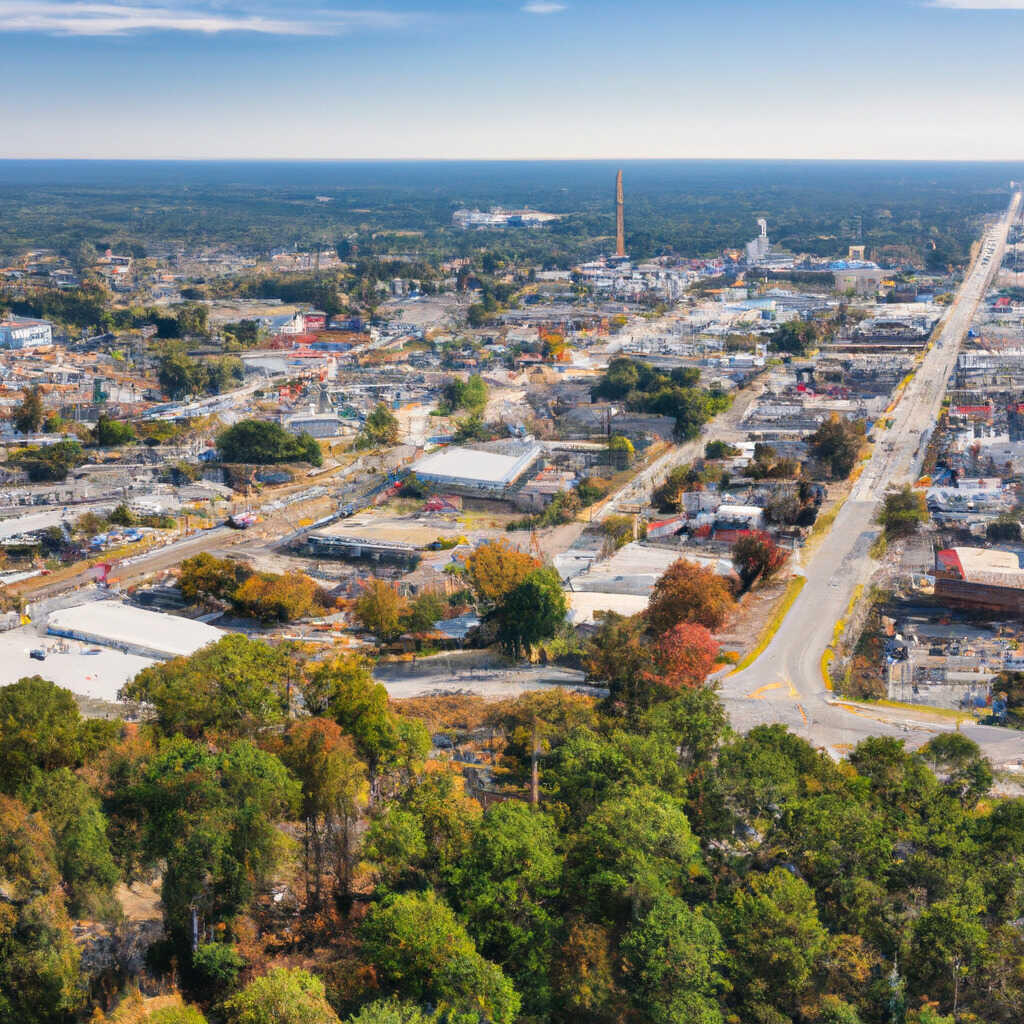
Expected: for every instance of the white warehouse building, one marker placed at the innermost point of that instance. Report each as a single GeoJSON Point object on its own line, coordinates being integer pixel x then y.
{"type": "Point", "coordinates": [132, 630]}
{"type": "Point", "coordinates": [470, 469]}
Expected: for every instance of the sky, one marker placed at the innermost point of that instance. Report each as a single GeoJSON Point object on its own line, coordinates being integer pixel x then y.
{"type": "Point", "coordinates": [533, 79]}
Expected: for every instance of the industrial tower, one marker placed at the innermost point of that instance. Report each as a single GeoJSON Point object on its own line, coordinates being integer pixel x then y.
{"type": "Point", "coordinates": [620, 223]}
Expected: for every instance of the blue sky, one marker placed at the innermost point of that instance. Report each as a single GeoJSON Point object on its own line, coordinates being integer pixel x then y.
{"type": "Point", "coordinates": [931, 79]}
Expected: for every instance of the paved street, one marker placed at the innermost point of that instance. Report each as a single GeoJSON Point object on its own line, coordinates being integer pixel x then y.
{"type": "Point", "coordinates": [785, 683]}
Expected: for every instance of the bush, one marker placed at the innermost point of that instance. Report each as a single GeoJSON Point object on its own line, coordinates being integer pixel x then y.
{"type": "Point", "coordinates": [263, 443]}
{"type": "Point", "coordinates": [218, 964]}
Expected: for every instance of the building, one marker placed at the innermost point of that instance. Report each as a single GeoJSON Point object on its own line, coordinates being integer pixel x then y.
{"type": "Point", "coordinates": [132, 630]}
{"type": "Point", "coordinates": [980, 578]}
{"type": "Point", "coordinates": [22, 332]}
{"type": "Point", "coordinates": [469, 470]}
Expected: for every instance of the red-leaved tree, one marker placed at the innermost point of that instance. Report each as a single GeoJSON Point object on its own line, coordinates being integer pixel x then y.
{"type": "Point", "coordinates": [684, 657]}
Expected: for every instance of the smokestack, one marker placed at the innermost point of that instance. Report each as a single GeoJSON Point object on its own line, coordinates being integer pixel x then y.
{"type": "Point", "coordinates": [620, 224]}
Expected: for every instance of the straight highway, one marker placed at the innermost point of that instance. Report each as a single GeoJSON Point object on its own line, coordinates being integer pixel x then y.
{"type": "Point", "coordinates": [785, 683]}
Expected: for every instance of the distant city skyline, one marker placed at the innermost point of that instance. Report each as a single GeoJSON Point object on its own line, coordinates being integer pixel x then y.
{"type": "Point", "coordinates": [505, 79]}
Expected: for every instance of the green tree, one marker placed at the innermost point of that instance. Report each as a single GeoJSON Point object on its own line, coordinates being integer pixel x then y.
{"type": "Point", "coordinates": [41, 729]}
{"type": "Point", "coordinates": [902, 512]}
{"type": "Point", "coordinates": [837, 443]}
{"type": "Point", "coordinates": [281, 996]}
{"type": "Point", "coordinates": [204, 577]}
{"type": "Point", "coordinates": [505, 888]}
{"type": "Point", "coordinates": [674, 959]}
{"type": "Point", "coordinates": [532, 612]}
{"type": "Point", "coordinates": [235, 687]}
{"type": "Point", "coordinates": [334, 792]}
{"type": "Point", "coordinates": [796, 337]}
{"type": "Point", "coordinates": [636, 846]}
{"type": "Point", "coordinates": [210, 819]}
{"type": "Point", "coordinates": [422, 953]}
{"type": "Point", "coordinates": [28, 417]}
{"type": "Point", "coordinates": [79, 830]}
{"type": "Point", "coordinates": [39, 961]}
{"type": "Point", "coordinates": [424, 610]}
{"type": "Point", "coordinates": [109, 433]}
{"type": "Point", "coordinates": [264, 443]}
{"type": "Point", "coordinates": [777, 941]}
{"type": "Point", "coordinates": [380, 428]}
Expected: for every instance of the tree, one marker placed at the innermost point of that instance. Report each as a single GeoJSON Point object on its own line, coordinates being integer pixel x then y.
{"type": "Point", "coordinates": [674, 957]}
{"type": "Point", "coordinates": [177, 374]}
{"type": "Point", "coordinates": [28, 417]}
{"type": "Point", "coordinates": [505, 887]}
{"type": "Point", "coordinates": [470, 394]}
{"type": "Point", "coordinates": [620, 654]}
{"type": "Point", "coordinates": [634, 847]}
{"type": "Point", "coordinates": [39, 961]}
{"type": "Point", "coordinates": [235, 687]}
{"type": "Point", "coordinates": [621, 451]}
{"type": "Point", "coordinates": [837, 443]}
{"type": "Point", "coordinates": [41, 729]}
{"type": "Point", "coordinates": [778, 942]}
{"type": "Point", "coordinates": [532, 612]}
{"type": "Point", "coordinates": [756, 556]}
{"type": "Point", "coordinates": [80, 833]}
{"type": "Point", "coordinates": [391, 1011]}
{"type": "Point", "coordinates": [109, 433]}
{"type": "Point", "coordinates": [264, 443]}
{"type": "Point", "coordinates": [496, 569]}
{"type": "Point", "coordinates": [422, 952]}
{"type": "Point", "coordinates": [204, 577]}
{"type": "Point", "coordinates": [684, 657]}
{"type": "Point", "coordinates": [380, 428]}
{"type": "Point", "coordinates": [1005, 529]}
{"type": "Point", "coordinates": [282, 996]}
{"type": "Point", "coordinates": [959, 761]}
{"type": "Point", "coordinates": [902, 512]}
{"type": "Point", "coordinates": [210, 819]}
{"type": "Point", "coordinates": [344, 689]}
{"type": "Point", "coordinates": [796, 337]}
{"type": "Point", "coordinates": [334, 791]}
{"type": "Point", "coordinates": [720, 450]}
{"type": "Point", "coordinates": [279, 597]}
{"type": "Point", "coordinates": [425, 609]}
{"type": "Point", "coordinates": [381, 609]}
{"type": "Point", "coordinates": [688, 592]}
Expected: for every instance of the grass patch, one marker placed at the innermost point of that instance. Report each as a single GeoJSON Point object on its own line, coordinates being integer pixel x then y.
{"type": "Point", "coordinates": [879, 546]}
{"type": "Point", "coordinates": [828, 655]}
{"type": "Point", "coordinates": [790, 595]}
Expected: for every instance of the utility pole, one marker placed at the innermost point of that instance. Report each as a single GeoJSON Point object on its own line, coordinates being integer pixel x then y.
{"type": "Point", "coordinates": [535, 768]}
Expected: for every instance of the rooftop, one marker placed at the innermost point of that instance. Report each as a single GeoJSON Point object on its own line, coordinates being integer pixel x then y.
{"type": "Point", "coordinates": [455, 463]}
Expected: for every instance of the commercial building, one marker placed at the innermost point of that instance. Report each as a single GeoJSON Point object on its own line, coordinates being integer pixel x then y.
{"type": "Point", "coordinates": [980, 578]}
{"type": "Point", "coordinates": [23, 332]}
{"type": "Point", "coordinates": [477, 472]}
{"type": "Point", "coordinates": [132, 630]}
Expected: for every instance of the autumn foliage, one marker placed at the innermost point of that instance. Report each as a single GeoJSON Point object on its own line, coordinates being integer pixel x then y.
{"type": "Point", "coordinates": [688, 592]}
{"type": "Point", "coordinates": [497, 568]}
{"type": "Point", "coordinates": [684, 657]}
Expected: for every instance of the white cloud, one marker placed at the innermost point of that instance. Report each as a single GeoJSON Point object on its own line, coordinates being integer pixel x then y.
{"type": "Point", "coordinates": [73, 18]}
{"type": "Point", "coordinates": [979, 5]}
{"type": "Point", "coordinates": [543, 7]}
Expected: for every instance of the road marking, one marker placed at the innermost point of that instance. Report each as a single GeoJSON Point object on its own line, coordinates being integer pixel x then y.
{"type": "Point", "coordinates": [758, 694]}
{"type": "Point", "coordinates": [803, 714]}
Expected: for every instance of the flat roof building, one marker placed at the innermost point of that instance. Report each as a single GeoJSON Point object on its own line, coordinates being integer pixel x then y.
{"type": "Point", "coordinates": [474, 470]}
{"type": "Point", "coordinates": [132, 630]}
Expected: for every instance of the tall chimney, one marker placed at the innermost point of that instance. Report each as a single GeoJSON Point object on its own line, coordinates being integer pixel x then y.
{"type": "Point", "coordinates": [620, 224]}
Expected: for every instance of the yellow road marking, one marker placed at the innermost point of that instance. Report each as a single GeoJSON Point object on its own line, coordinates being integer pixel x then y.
{"type": "Point", "coordinates": [759, 692]}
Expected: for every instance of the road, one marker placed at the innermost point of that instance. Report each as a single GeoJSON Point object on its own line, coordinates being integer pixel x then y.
{"type": "Point", "coordinates": [785, 683]}
{"type": "Point", "coordinates": [724, 427]}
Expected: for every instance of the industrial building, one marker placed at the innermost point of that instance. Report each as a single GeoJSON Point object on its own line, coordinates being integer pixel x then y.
{"type": "Point", "coordinates": [482, 473]}
{"type": "Point", "coordinates": [980, 578]}
{"type": "Point", "coordinates": [22, 332]}
{"type": "Point", "coordinates": [132, 630]}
